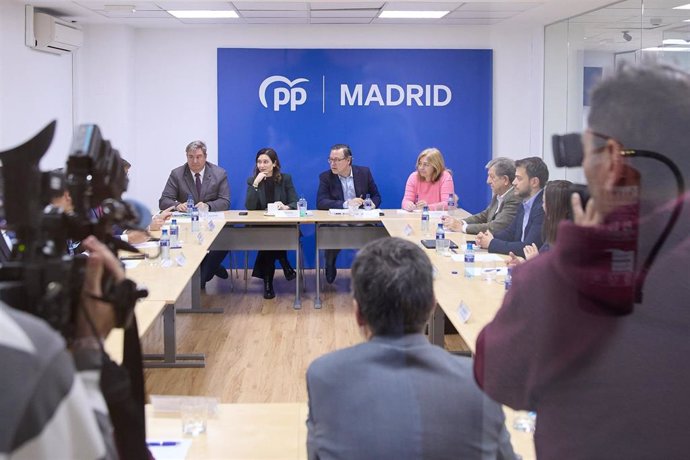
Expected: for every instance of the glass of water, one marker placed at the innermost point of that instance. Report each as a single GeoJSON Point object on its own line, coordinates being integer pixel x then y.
{"type": "Point", "coordinates": [525, 422]}
{"type": "Point", "coordinates": [194, 413]}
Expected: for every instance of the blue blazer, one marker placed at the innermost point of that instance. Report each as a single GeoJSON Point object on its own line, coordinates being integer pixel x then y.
{"type": "Point", "coordinates": [330, 194]}
{"type": "Point", "coordinates": [508, 239]}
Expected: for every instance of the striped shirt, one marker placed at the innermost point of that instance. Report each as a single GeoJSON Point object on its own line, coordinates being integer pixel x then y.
{"type": "Point", "coordinates": [46, 409]}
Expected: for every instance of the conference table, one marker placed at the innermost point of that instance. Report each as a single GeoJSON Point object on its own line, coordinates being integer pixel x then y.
{"type": "Point", "coordinates": [165, 284]}
{"type": "Point", "coordinates": [284, 423]}
{"type": "Point", "coordinates": [264, 431]}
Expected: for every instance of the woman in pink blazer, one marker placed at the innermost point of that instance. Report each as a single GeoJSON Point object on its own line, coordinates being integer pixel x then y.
{"type": "Point", "coordinates": [430, 185]}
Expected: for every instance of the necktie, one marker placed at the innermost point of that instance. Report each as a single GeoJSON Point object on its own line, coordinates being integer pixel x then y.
{"type": "Point", "coordinates": [198, 186]}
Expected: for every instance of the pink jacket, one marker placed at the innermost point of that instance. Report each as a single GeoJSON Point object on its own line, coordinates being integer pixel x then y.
{"type": "Point", "coordinates": [434, 193]}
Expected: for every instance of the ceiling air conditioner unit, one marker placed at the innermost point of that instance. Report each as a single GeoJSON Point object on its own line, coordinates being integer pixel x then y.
{"type": "Point", "coordinates": [48, 33]}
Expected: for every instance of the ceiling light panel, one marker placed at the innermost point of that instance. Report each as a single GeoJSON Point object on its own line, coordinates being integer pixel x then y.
{"type": "Point", "coordinates": [391, 14]}
{"type": "Point", "coordinates": [204, 14]}
{"type": "Point", "coordinates": [421, 6]}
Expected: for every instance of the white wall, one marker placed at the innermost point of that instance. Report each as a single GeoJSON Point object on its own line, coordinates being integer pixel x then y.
{"type": "Point", "coordinates": [153, 90]}
{"type": "Point", "coordinates": [171, 77]}
{"type": "Point", "coordinates": [35, 88]}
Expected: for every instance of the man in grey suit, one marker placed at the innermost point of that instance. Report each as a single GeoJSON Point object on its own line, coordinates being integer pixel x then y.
{"type": "Point", "coordinates": [504, 203]}
{"type": "Point", "coordinates": [208, 185]}
{"type": "Point", "coordinates": [397, 395]}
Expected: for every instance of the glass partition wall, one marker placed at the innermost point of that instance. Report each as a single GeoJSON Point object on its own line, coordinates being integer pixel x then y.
{"type": "Point", "coordinates": [580, 50]}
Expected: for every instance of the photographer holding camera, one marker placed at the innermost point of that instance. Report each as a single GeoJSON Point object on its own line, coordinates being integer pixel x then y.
{"type": "Point", "coordinates": [69, 402]}
{"type": "Point", "coordinates": [600, 350]}
{"type": "Point", "coordinates": [51, 405]}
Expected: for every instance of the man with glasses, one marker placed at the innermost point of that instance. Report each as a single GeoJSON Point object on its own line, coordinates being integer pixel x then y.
{"type": "Point", "coordinates": [341, 187]}
{"type": "Point", "coordinates": [587, 337]}
{"type": "Point", "coordinates": [504, 203]}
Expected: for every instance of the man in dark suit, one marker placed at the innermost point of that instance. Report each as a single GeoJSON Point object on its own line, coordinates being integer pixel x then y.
{"type": "Point", "coordinates": [531, 174]}
{"type": "Point", "coordinates": [208, 186]}
{"type": "Point", "coordinates": [397, 395]}
{"type": "Point", "coordinates": [342, 186]}
{"type": "Point", "coordinates": [504, 203]}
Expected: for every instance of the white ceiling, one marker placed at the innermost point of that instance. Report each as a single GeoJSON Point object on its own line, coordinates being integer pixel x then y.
{"type": "Point", "coordinates": [154, 14]}
{"type": "Point", "coordinates": [597, 24]}
{"type": "Point", "coordinates": [603, 29]}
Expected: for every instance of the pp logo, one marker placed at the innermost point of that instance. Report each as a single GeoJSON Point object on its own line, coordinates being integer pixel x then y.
{"type": "Point", "coordinates": [281, 95]}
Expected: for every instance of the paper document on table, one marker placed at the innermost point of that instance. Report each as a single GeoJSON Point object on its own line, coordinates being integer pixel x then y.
{"type": "Point", "coordinates": [216, 215]}
{"type": "Point", "coordinates": [147, 245]}
{"type": "Point", "coordinates": [432, 214]}
{"type": "Point", "coordinates": [338, 212]}
{"type": "Point", "coordinates": [130, 264]}
{"type": "Point", "coordinates": [478, 257]}
{"type": "Point", "coordinates": [291, 213]}
{"type": "Point", "coordinates": [169, 449]}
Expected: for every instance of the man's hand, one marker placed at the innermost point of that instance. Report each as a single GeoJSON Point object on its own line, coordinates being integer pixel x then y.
{"type": "Point", "coordinates": [181, 207]}
{"type": "Point", "coordinates": [159, 219]}
{"type": "Point", "coordinates": [514, 260]}
{"type": "Point", "coordinates": [531, 251]}
{"type": "Point", "coordinates": [202, 207]}
{"type": "Point", "coordinates": [355, 201]}
{"type": "Point", "coordinates": [588, 217]}
{"type": "Point", "coordinates": [484, 239]}
{"type": "Point", "coordinates": [102, 314]}
{"type": "Point", "coordinates": [452, 223]}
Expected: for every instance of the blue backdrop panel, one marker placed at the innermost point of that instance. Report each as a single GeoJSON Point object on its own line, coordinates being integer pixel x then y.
{"type": "Point", "coordinates": [388, 105]}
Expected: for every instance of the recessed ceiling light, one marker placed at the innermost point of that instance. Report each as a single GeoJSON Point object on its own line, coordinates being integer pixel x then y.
{"type": "Point", "coordinates": [389, 14]}
{"type": "Point", "coordinates": [674, 49]}
{"type": "Point", "coordinates": [204, 14]}
{"type": "Point", "coordinates": [682, 7]}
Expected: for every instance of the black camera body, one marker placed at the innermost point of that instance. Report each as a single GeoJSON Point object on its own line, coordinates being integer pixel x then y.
{"type": "Point", "coordinates": [41, 276]}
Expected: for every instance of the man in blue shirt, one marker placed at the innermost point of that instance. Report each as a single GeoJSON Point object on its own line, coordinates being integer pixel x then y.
{"type": "Point", "coordinates": [531, 174]}
{"type": "Point", "coordinates": [343, 184]}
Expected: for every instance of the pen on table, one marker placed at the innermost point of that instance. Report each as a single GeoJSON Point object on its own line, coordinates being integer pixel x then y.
{"type": "Point", "coordinates": [162, 444]}
{"type": "Point", "coordinates": [453, 251]}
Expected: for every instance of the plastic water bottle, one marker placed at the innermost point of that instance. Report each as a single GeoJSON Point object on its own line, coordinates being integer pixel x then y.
{"type": "Point", "coordinates": [451, 204]}
{"type": "Point", "coordinates": [442, 244]}
{"type": "Point", "coordinates": [165, 245]}
{"type": "Point", "coordinates": [469, 260]}
{"type": "Point", "coordinates": [174, 234]}
{"type": "Point", "coordinates": [509, 278]}
{"type": "Point", "coordinates": [195, 219]}
{"type": "Point", "coordinates": [425, 219]}
{"type": "Point", "coordinates": [368, 204]}
{"type": "Point", "coordinates": [302, 206]}
{"type": "Point", "coordinates": [190, 202]}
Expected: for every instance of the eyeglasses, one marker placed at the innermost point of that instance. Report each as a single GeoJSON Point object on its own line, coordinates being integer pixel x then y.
{"type": "Point", "coordinates": [335, 160]}
{"type": "Point", "coordinates": [423, 164]}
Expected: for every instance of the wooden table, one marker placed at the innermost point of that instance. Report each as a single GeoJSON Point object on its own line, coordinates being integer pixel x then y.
{"type": "Point", "coordinates": [167, 284]}
{"type": "Point", "coordinates": [241, 431]}
{"type": "Point", "coordinates": [265, 431]}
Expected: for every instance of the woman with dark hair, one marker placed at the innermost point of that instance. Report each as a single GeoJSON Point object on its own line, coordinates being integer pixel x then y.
{"type": "Point", "coordinates": [556, 208]}
{"type": "Point", "coordinates": [270, 185]}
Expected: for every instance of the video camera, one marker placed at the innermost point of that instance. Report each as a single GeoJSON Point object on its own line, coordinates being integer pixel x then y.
{"type": "Point", "coordinates": [41, 276]}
